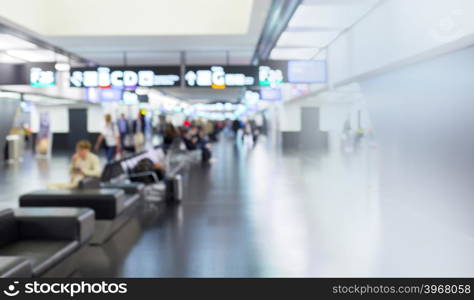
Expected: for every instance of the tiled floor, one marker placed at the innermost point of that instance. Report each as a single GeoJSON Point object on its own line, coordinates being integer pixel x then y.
{"type": "Point", "coordinates": [260, 212]}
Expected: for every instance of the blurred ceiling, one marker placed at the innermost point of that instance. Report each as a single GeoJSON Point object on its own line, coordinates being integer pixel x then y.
{"type": "Point", "coordinates": [231, 94]}
{"type": "Point", "coordinates": [315, 24]}
{"type": "Point", "coordinates": [168, 32]}
{"type": "Point", "coordinates": [130, 18]}
{"type": "Point", "coordinates": [144, 32]}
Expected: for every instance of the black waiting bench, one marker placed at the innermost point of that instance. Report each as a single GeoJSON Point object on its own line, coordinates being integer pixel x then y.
{"type": "Point", "coordinates": [43, 242]}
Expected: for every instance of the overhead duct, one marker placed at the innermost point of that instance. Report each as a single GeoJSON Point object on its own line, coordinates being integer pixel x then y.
{"type": "Point", "coordinates": [278, 17]}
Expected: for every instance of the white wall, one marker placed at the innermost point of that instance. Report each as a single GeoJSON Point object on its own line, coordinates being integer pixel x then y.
{"type": "Point", "coordinates": [423, 116]}
{"type": "Point", "coordinates": [58, 115]}
{"type": "Point", "coordinates": [335, 107]}
{"type": "Point", "coordinates": [294, 98]}
{"type": "Point", "coordinates": [95, 119]}
{"type": "Point", "coordinates": [289, 117]}
{"type": "Point", "coordinates": [413, 60]}
{"type": "Point", "coordinates": [399, 32]}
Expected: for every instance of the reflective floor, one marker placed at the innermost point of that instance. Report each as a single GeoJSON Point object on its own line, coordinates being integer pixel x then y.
{"type": "Point", "coordinates": [30, 174]}
{"type": "Point", "coordinates": [260, 212]}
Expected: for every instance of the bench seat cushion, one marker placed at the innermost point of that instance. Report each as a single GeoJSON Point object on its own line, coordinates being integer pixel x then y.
{"type": "Point", "coordinates": [42, 254]}
{"type": "Point", "coordinates": [55, 223]}
{"type": "Point", "coordinates": [106, 203]}
{"type": "Point", "coordinates": [128, 187]}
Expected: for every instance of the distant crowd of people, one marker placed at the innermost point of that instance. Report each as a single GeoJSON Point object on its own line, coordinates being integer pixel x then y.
{"type": "Point", "coordinates": [198, 134]}
{"type": "Point", "coordinates": [246, 131]}
{"type": "Point", "coordinates": [129, 135]}
{"type": "Point", "coordinates": [122, 135]}
{"type": "Point", "coordinates": [192, 135]}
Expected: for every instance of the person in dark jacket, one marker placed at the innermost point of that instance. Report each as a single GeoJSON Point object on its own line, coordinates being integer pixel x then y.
{"type": "Point", "coordinates": [236, 126]}
{"type": "Point", "coordinates": [138, 130]}
{"type": "Point", "coordinates": [170, 134]}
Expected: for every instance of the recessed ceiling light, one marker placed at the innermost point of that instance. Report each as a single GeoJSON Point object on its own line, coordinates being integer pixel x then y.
{"type": "Point", "coordinates": [293, 53]}
{"type": "Point", "coordinates": [10, 95]}
{"type": "Point", "coordinates": [41, 55]}
{"type": "Point", "coordinates": [33, 98]}
{"type": "Point", "coordinates": [141, 91]}
{"type": "Point", "coordinates": [330, 14]}
{"type": "Point", "coordinates": [310, 39]}
{"type": "Point", "coordinates": [10, 60]}
{"type": "Point", "coordinates": [62, 67]}
{"type": "Point", "coordinates": [8, 42]}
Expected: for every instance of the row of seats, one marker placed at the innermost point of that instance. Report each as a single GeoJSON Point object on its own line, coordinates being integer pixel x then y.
{"type": "Point", "coordinates": [43, 242]}
{"type": "Point", "coordinates": [44, 237]}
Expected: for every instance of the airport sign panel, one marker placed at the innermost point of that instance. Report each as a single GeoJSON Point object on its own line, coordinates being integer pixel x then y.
{"type": "Point", "coordinates": [125, 77]}
{"type": "Point", "coordinates": [270, 73]}
{"type": "Point", "coordinates": [33, 74]}
{"type": "Point", "coordinates": [220, 77]}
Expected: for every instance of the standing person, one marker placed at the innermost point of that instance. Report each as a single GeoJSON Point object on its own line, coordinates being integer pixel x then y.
{"type": "Point", "coordinates": [124, 130]}
{"type": "Point", "coordinates": [247, 137]}
{"type": "Point", "coordinates": [194, 135]}
{"type": "Point", "coordinates": [203, 144]}
{"type": "Point", "coordinates": [236, 126]}
{"type": "Point", "coordinates": [255, 131]}
{"type": "Point", "coordinates": [138, 129]}
{"type": "Point", "coordinates": [111, 135]}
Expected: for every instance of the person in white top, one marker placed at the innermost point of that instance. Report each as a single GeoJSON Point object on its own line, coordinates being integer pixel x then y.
{"type": "Point", "coordinates": [138, 128]}
{"type": "Point", "coordinates": [111, 135]}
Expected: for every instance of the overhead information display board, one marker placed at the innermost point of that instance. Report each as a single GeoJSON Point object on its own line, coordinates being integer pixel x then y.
{"type": "Point", "coordinates": [268, 74]}
{"type": "Point", "coordinates": [273, 72]}
{"type": "Point", "coordinates": [220, 77]}
{"type": "Point", "coordinates": [42, 77]}
{"type": "Point", "coordinates": [126, 77]}
{"type": "Point", "coordinates": [270, 94]}
{"type": "Point", "coordinates": [34, 74]}
{"type": "Point", "coordinates": [307, 71]}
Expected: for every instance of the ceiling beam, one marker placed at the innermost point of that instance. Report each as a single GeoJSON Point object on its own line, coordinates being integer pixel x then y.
{"type": "Point", "coordinates": [277, 20]}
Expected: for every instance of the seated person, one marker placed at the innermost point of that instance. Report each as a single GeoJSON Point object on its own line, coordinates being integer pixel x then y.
{"type": "Point", "coordinates": [84, 164]}
{"type": "Point", "coordinates": [154, 162]}
{"type": "Point", "coordinates": [204, 145]}
{"type": "Point", "coordinates": [197, 140]}
{"type": "Point", "coordinates": [170, 134]}
{"type": "Point", "coordinates": [201, 137]}
{"type": "Point", "coordinates": [158, 159]}
{"type": "Point", "coordinates": [186, 139]}
{"type": "Point", "coordinates": [192, 139]}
